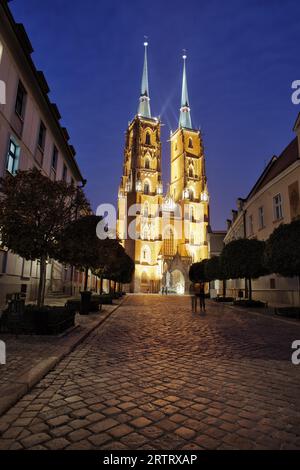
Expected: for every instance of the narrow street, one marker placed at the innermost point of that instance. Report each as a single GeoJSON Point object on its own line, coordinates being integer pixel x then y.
{"type": "Point", "coordinates": [156, 376]}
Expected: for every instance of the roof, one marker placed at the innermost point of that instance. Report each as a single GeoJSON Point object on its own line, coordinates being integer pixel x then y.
{"type": "Point", "coordinates": [276, 166]}
{"type": "Point", "coordinates": [26, 47]}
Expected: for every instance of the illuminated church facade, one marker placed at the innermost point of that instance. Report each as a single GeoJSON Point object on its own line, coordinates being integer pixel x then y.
{"type": "Point", "coordinates": [163, 233]}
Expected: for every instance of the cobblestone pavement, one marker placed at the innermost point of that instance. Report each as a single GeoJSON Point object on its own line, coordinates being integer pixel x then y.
{"type": "Point", "coordinates": [156, 376]}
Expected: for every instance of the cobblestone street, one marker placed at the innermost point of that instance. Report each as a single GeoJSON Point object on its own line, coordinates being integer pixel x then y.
{"type": "Point", "coordinates": [156, 376]}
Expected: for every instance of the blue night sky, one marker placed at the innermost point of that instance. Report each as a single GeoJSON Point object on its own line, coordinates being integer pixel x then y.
{"type": "Point", "coordinates": [242, 58]}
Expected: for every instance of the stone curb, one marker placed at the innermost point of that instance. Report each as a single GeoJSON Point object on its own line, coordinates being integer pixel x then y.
{"type": "Point", "coordinates": [13, 392]}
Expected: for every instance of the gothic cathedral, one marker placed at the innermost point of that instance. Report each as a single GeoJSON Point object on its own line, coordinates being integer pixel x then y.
{"type": "Point", "coordinates": [163, 234]}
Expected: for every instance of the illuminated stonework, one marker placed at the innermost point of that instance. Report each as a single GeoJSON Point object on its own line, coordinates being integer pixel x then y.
{"type": "Point", "coordinates": [163, 251]}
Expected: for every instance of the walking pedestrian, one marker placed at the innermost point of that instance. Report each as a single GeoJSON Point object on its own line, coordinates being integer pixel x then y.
{"type": "Point", "coordinates": [202, 297]}
{"type": "Point", "coordinates": [193, 296]}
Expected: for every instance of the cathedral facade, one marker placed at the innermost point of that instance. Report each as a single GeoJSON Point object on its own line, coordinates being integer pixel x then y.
{"type": "Point", "coordinates": [163, 233]}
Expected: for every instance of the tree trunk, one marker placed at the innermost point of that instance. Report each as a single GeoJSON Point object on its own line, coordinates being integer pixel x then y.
{"type": "Point", "coordinates": [96, 286]}
{"type": "Point", "coordinates": [86, 277]}
{"type": "Point", "coordinates": [42, 282]}
{"type": "Point", "coordinates": [101, 285]}
{"type": "Point", "coordinates": [246, 288]}
{"type": "Point", "coordinates": [115, 285]}
{"type": "Point", "coordinates": [250, 289]}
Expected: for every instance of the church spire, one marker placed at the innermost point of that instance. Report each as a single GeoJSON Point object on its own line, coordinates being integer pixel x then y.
{"type": "Point", "coordinates": [144, 106]}
{"type": "Point", "coordinates": [185, 112]}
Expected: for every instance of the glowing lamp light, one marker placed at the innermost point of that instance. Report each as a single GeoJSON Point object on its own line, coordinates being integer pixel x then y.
{"type": "Point", "coordinates": [138, 185]}
{"type": "Point", "coordinates": [204, 196]}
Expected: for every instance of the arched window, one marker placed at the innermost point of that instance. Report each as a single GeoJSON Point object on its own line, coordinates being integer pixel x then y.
{"type": "Point", "coordinates": [192, 214]}
{"type": "Point", "coordinates": [146, 254]}
{"type": "Point", "coordinates": [146, 188]}
{"type": "Point", "coordinates": [191, 171]}
{"type": "Point", "coordinates": [191, 195]}
{"type": "Point", "coordinates": [147, 163]}
{"type": "Point", "coordinates": [168, 245]}
{"type": "Point", "coordinates": [146, 209]}
{"type": "Point", "coordinates": [148, 139]}
{"type": "Point", "coordinates": [190, 143]}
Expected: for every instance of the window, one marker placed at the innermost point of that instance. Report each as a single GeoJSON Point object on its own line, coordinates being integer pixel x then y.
{"type": "Point", "coordinates": [192, 214]}
{"type": "Point", "coordinates": [147, 164]}
{"type": "Point", "coordinates": [250, 224]}
{"type": "Point", "coordinates": [191, 172]}
{"type": "Point", "coordinates": [190, 143]}
{"type": "Point", "coordinates": [148, 139]}
{"type": "Point", "coordinates": [42, 136]}
{"type": "Point", "coordinates": [146, 209]}
{"type": "Point", "coordinates": [261, 217]}
{"type": "Point", "coordinates": [272, 283]}
{"type": "Point", "coordinates": [168, 244]}
{"type": "Point", "coordinates": [192, 239]}
{"type": "Point", "coordinates": [146, 188]}
{"type": "Point", "coordinates": [13, 157]}
{"type": "Point", "coordinates": [20, 100]}
{"type": "Point", "coordinates": [64, 173]}
{"type": "Point", "coordinates": [146, 254]}
{"type": "Point", "coordinates": [277, 204]}
{"type": "Point", "coordinates": [191, 195]}
{"type": "Point", "coordinates": [54, 159]}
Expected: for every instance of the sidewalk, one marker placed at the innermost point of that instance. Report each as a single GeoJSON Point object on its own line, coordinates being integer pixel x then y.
{"type": "Point", "coordinates": [30, 358]}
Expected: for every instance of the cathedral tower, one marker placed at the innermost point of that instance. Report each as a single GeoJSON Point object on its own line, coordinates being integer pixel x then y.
{"type": "Point", "coordinates": [188, 186]}
{"type": "Point", "coordinates": [139, 226]}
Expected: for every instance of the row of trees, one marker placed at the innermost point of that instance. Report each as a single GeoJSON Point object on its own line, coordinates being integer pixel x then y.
{"type": "Point", "coordinates": [43, 219]}
{"type": "Point", "coordinates": [253, 258]}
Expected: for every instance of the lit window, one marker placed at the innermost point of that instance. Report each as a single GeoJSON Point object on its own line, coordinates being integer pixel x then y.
{"type": "Point", "coordinates": [192, 213]}
{"type": "Point", "coordinates": [42, 136]}
{"type": "Point", "coordinates": [146, 188]}
{"type": "Point", "coordinates": [277, 205]}
{"type": "Point", "coordinates": [146, 254]}
{"type": "Point", "coordinates": [20, 100]}
{"type": "Point", "coordinates": [146, 209]}
{"type": "Point", "coordinates": [13, 157]}
{"type": "Point", "coordinates": [261, 217]}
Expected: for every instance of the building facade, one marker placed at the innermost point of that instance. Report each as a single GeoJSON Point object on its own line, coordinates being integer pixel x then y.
{"type": "Point", "coordinates": [164, 234]}
{"type": "Point", "coordinates": [273, 200]}
{"type": "Point", "coordinates": [30, 136]}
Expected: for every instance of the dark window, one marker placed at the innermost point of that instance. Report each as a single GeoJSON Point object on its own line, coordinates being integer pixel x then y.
{"type": "Point", "coordinates": [146, 188]}
{"type": "Point", "coordinates": [191, 172]}
{"type": "Point", "coordinates": [272, 283]}
{"type": "Point", "coordinates": [148, 139]}
{"type": "Point", "coordinates": [42, 136]}
{"type": "Point", "coordinates": [20, 100]}
{"type": "Point", "coordinates": [147, 164]}
{"type": "Point", "coordinates": [190, 143]}
{"type": "Point", "coordinates": [64, 174]}
{"type": "Point", "coordinates": [13, 157]}
{"type": "Point", "coordinates": [54, 159]}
